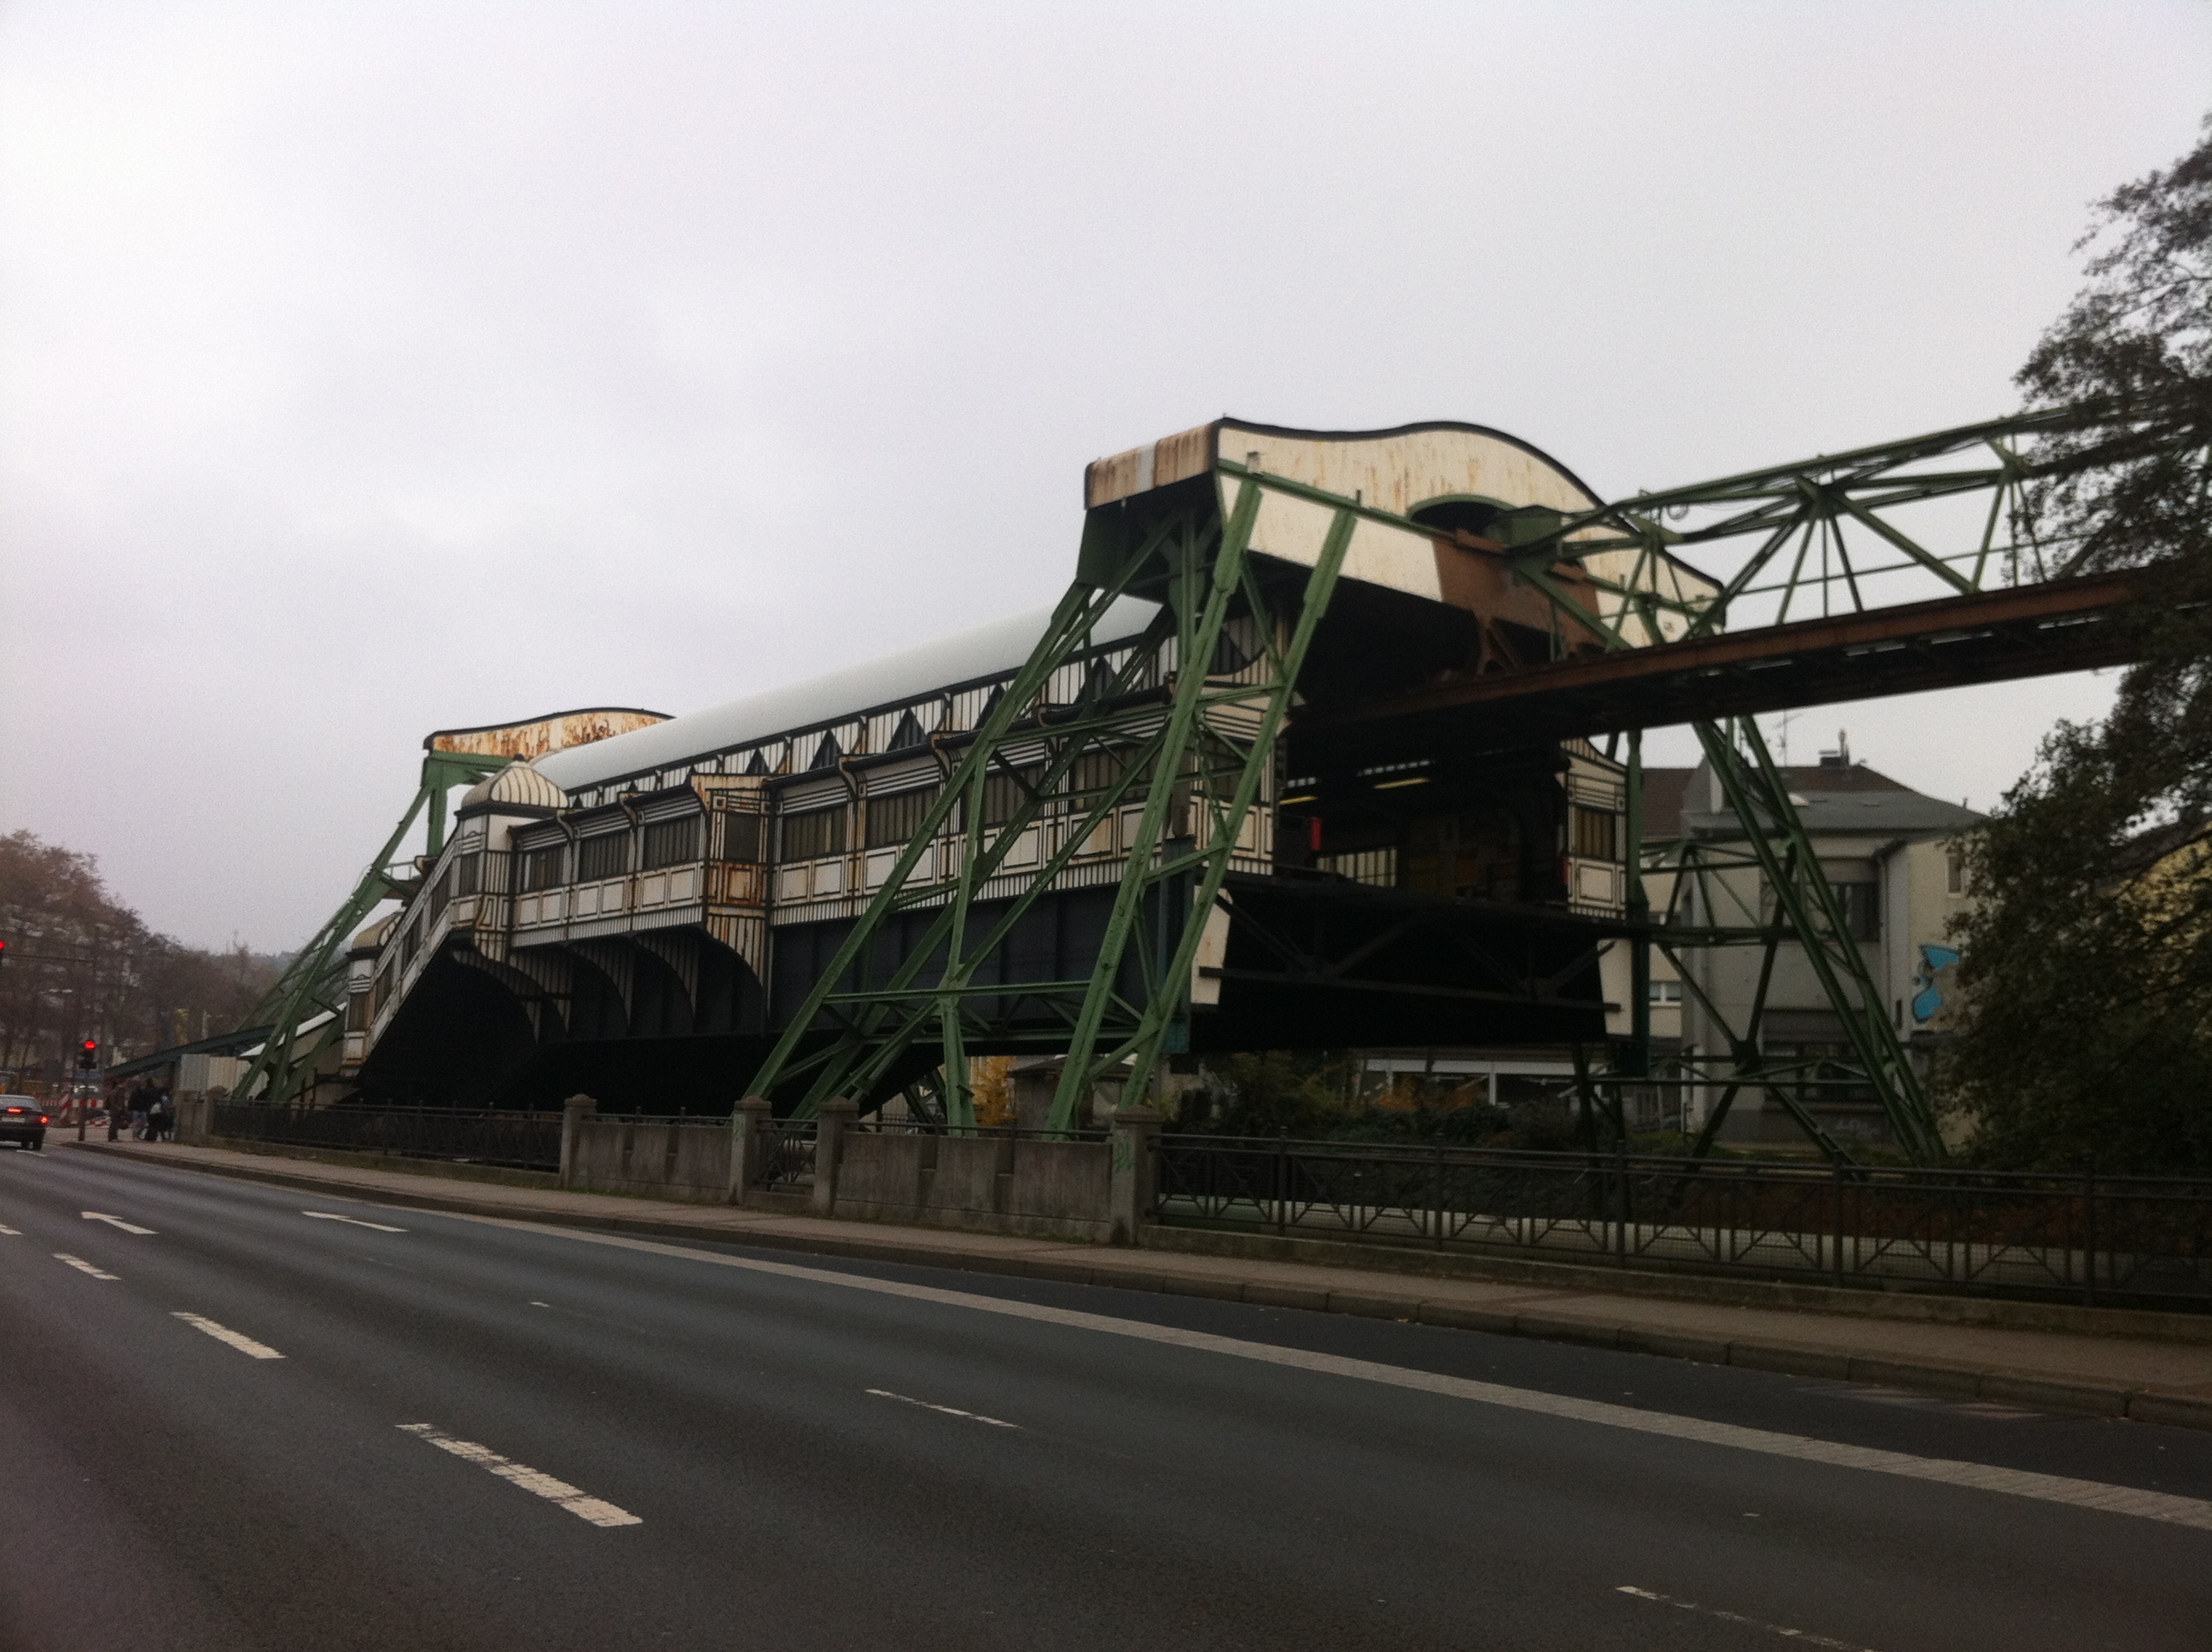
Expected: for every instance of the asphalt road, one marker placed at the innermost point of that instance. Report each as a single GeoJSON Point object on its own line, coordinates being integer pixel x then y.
{"type": "Point", "coordinates": [471, 1434]}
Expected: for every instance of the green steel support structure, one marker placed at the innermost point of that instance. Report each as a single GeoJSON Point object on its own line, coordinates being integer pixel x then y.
{"type": "Point", "coordinates": [315, 982]}
{"type": "Point", "coordinates": [1193, 732]}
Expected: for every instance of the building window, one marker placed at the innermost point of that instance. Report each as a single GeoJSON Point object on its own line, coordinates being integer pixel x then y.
{"type": "Point", "coordinates": [897, 817]}
{"type": "Point", "coordinates": [1596, 833]}
{"type": "Point", "coordinates": [542, 868]}
{"type": "Point", "coordinates": [468, 874]}
{"type": "Point", "coordinates": [606, 855]}
{"type": "Point", "coordinates": [1955, 869]}
{"type": "Point", "coordinates": [1663, 991]}
{"type": "Point", "coordinates": [741, 837]}
{"type": "Point", "coordinates": [670, 842]}
{"type": "Point", "coordinates": [1862, 905]}
{"type": "Point", "coordinates": [810, 836]}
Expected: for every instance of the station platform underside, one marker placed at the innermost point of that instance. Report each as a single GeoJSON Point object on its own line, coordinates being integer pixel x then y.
{"type": "Point", "coordinates": [1309, 963]}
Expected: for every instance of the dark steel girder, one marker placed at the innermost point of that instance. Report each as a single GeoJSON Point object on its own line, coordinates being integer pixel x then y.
{"type": "Point", "coordinates": [1991, 636]}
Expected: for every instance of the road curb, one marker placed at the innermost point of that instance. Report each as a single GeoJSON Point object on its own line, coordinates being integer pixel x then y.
{"type": "Point", "coordinates": [1950, 1379]}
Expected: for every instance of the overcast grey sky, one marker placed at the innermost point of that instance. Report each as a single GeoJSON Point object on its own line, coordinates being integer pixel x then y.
{"type": "Point", "coordinates": [367, 370]}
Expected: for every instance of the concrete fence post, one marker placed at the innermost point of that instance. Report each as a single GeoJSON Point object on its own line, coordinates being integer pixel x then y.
{"type": "Point", "coordinates": [752, 1128]}
{"type": "Point", "coordinates": [573, 1112]}
{"type": "Point", "coordinates": [1132, 1190]}
{"type": "Point", "coordinates": [837, 1112]}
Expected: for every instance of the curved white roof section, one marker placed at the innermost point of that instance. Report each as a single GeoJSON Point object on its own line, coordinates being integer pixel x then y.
{"type": "Point", "coordinates": [994, 650]}
{"type": "Point", "coordinates": [518, 782]}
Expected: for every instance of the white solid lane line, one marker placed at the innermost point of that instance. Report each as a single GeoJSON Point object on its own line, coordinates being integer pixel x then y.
{"type": "Point", "coordinates": [332, 1216]}
{"type": "Point", "coordinates": [1981, 1477]}
{"type": "Point", "coordinates": [11, 1232]}
{"type": "Point", "coordinates": [568, 1497]}
{"type": "Point", "coordinates": [114, 1221]}
{"type": "Point", "coordinates": [238, 1339]}
{"type": "Point", "coordinates": [950, 1411]}
{"type": "Point", "coordinates": [83, 1266]}
{"type": "Point", "coordinates": [1801, 1636]}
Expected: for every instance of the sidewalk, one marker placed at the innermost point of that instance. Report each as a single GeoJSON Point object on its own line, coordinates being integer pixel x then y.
{"type": "Point", "coordinates": [2138, 1377]}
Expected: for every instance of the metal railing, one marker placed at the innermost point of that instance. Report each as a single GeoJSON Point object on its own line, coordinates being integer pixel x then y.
{"type": "Point", "coordinates": [527, 1141]}
{"type": "Point", "coordinates": [871, 1126]}
{"type": "Point", "coordinates": [2137, 1240]}
{"type": "Point", "coordinates": [788, 1165]}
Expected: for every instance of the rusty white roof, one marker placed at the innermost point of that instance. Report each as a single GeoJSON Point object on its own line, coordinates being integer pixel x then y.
{"type": "Point", "coordinates": [994, 650]}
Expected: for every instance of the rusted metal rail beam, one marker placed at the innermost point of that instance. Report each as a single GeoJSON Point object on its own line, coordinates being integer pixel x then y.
{"type": "Point", "coordinates": [1991, 636]}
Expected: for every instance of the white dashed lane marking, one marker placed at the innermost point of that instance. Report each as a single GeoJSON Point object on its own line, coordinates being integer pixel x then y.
{"type": "Point", "coordinates": [83, 1266]}
{"type": "Point", "coordinates": [114, 1221]}
{"type": "Point", "coordinates": [950, 1411]}
{"type": "Point", "coordinates": [11, 1232]}
{"type": "Point", "coordinates": [332, 1216]}
{"type": "Point", "coordinates": [1800, 1635]}
{"type": "Point", "coordinates": [2095, 1495]}
{"type": "Point", "coordinates": [595, 1511]}
{"type": "Point", "coordinates": [238, 1339]}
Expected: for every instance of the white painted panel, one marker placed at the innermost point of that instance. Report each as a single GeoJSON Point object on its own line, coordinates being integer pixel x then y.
{"type": "Point", "coordinates": [1025, 850]}
{"type": "Point", "coordinates": [828, 878]}
{"type": "Point", "coordinates": [1213, 954]}
{"type": "Point", "coordinates": [880, 862]}
{"type": "Point", "coordinates": [791, 883]}
{"type": "Point", "coordinates": [1292, 530]}
{"type": "Point", "coordinates": [653, 890]}
{"type": "Point", "coordinates": [684, 885]}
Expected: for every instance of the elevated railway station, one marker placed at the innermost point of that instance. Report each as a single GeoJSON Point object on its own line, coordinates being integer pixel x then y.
{"type": "Point", "coordinates": [646, 915]}
{"type": "Point", "coordinates": [1334, 741]}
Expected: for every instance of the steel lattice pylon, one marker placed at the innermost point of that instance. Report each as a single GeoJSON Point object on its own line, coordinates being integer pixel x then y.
{"type": "Point", "coordinates": [1198, 741]}
{"type": "Point", "coordinates": [314, 982]}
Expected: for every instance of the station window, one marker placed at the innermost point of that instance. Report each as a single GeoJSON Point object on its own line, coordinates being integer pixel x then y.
{"type": "Point", "coordinates": [542, 868]}
{"type": "Point", "coordinates": [896, 818]}
{"type": "Point", "coordinates": [1664, 991]}
{"type": "Point", "coordinates": [1004, 794]}
{"type": "Point", "coordinates": [1596, 833]}
{"type": "Point", "coordinates": [1378, 867]}
{"type": "Point", "coordinates": [1094, 772]}
{"type": "Point", "coordinates": [670, 842]}
{"type": "Point", "coordinates": [606, 855]}
{"type": "Point", "coordinates": [741, 837]}
{"type": "Point", "coordinates": [810, 835]}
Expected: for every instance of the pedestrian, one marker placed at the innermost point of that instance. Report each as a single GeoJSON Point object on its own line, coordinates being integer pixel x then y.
{"type": "Point", "coordinates": [116, 1111]}
{"type": "Point", "coordinates": [158, 1114]}
{"type": "Point", "coordinates": [141, 1102]}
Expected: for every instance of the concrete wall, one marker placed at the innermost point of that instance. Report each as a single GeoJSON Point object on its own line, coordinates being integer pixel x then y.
{"type": "Point", "coordinates": [1005, 1183]}
{"type": "Point", "coordinates": [662, 1158]}
{"type": "Point", "coordinates": [996, 1184]}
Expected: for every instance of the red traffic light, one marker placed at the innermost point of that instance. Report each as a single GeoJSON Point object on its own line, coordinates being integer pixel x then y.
{"type": "Point", "coordinates": [91, 1046]}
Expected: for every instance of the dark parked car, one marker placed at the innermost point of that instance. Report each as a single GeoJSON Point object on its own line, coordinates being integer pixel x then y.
{"type": "Point", "coordinates": [22, 1120]}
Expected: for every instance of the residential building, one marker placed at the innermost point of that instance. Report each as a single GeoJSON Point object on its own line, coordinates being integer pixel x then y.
{"type": "Point", "coordinates": [1895, 858]}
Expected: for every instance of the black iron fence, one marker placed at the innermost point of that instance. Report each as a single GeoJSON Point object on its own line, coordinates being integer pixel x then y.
{"type": "Point", "coordinates": [2137, 1240]}
{"type": "Point", "coordinates": [790, 1157]}
{"type": "Point", "coordinates": [527, 1141]}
